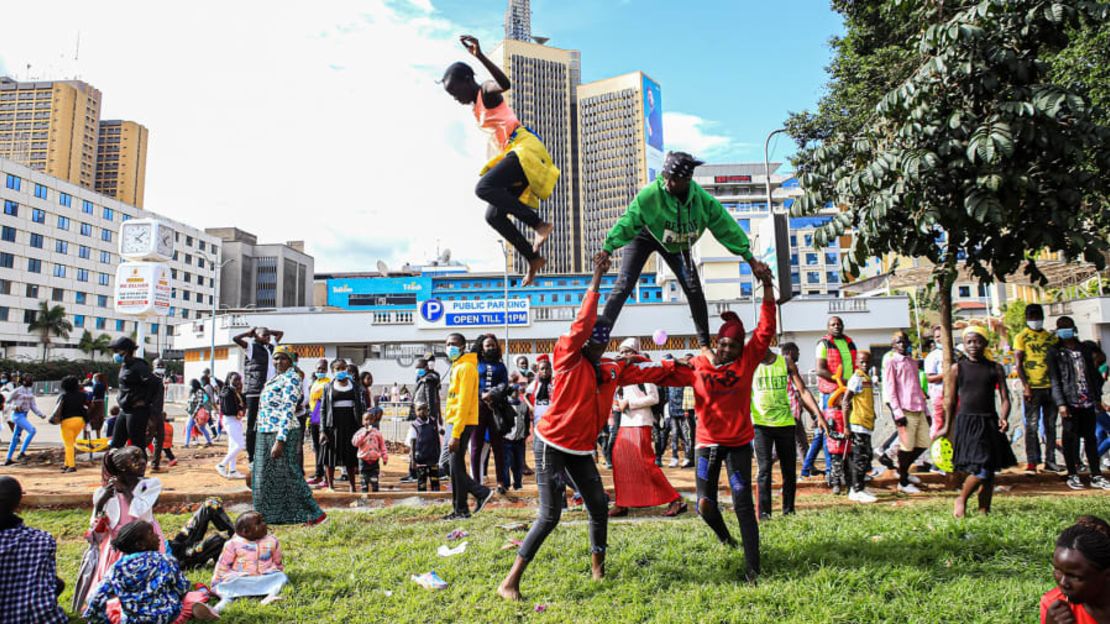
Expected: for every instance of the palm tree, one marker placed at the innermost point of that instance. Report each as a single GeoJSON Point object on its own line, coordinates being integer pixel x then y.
{"type": "Point", "coordinates": [93, 346]}
{"type": "Point", "coordinates": [100, 345]}
{"type": "Point", "coordinates": [51, 321]}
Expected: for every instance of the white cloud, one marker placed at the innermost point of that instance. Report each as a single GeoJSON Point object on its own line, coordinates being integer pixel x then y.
{"type": "Point", "coordinates": [322, 123]}
{"type": "Point", "coordinates": [694, 134]}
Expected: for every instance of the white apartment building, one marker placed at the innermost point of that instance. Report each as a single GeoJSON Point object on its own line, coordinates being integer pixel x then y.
{"type": "Point", "coordinates": [59, 243]}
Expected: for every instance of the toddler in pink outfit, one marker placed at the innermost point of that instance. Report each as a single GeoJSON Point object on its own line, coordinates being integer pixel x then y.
{"type": "Point", "coordinates": [371, 449]}
{"type": "Point", "coordinates": [250, 564]}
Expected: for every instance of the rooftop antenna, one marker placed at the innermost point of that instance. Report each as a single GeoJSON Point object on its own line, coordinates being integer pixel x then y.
{"type": "Point", "coordinates": [383, 268]}
{"type": "Point", "coordinates": [77, 57]}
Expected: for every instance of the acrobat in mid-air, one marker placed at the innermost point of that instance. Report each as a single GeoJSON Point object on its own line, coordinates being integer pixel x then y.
{"type": "Point", "coordinates": [522, 173]}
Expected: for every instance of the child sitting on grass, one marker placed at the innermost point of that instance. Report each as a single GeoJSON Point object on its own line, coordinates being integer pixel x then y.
{"type": "Point", "coordinates": [424, 441]}
{"type": "Point", "coordinates": [250, 564]}
{"type": "Point", "coordinates": [371, 448]}
{"type": "Point", "coordinates": [145, 585]}
{"type": "Point", "coordinates": [1081, 567]}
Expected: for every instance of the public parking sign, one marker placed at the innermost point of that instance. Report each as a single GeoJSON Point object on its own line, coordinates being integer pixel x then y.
{"type": "Point", "coordinates": [437, 313]}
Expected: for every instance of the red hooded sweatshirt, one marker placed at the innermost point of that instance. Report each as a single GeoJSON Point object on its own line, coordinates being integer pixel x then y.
{"type": "Point", "coordinates": [579, 406]}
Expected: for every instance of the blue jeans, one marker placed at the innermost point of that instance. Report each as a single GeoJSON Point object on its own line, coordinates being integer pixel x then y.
{"type": "Point", "coordinates": [1102, 432]}
{"type": "Point", "coordinates": [189, 431]}
{"type": "Point", "coordinates": [817, 444]}
{"type": "Point", "coordinates": [19, 419]}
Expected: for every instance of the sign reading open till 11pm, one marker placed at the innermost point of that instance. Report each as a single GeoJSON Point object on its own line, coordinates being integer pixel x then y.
{"type": "Point", "coordinates": [481, 313]}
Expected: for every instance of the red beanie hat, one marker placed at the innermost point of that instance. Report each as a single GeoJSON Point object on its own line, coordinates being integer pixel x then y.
{"type": "Point", "coordinates": [543, 357]}
{"type": "Point", "coordinates": [733, 327]}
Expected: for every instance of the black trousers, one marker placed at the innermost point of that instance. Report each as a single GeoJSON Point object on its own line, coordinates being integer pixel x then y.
{"type": "Point", "coordinates": [1080, 425]}
{"type": "Point", "coordinates": [157, 426]}
{"type": "Point", "coordinates": [550, 464]}
{"type": "Point", "coordinates": [769, 440]}
{"type": "Point", "coordinates": [861, 460]}
{"type": "Point", "coordinates": [252, 421]}
{"type": "Point", "coordinates": [501, 188]}
{"type": "Point", "coordinates": [314, 431]}
{"type": "Point", "coordinates": [636, 254]}
{"type": "Point", "coordinates": [131, 425]}
{"type": "Point", "coordinates": [426, 475]}
{"type": "Point", "coordinates": [611, 438]}
{"type": "Point", "coordinates": [371, 471]}
{"type": "Point", "coordinates": [1040, 405]}
{"type": "Point", "coordinates": [461, 483]}
{"type": "Point", "coordinates": [190, 546]}
{"type": "Point", "coordinates": [738, 463]}
{"type": "Point", "coordinates": [514, 464]}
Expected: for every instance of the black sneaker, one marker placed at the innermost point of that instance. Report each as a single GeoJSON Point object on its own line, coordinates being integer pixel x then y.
{"type": "Point", "coordinates": [454, 515]}
{"type": "Point", "coordinates": [483, 501]}
{"type": "Point", "coordinates": [1052, 467]}
{"type": "Point", "coordinates": [408, 479]}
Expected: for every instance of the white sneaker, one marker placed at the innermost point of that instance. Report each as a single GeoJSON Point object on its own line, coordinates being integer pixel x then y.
{"type": "Point", "coordinates": [908, 489]}
{"type": "Point", "coordinates": [674, 463]}
{"type": "Point", "coordinates": [862, 496]}
{"type": "Point", "coordinates": [1100, 482]}
{"type": "Point", "coordinates": [1106, 463]}
{"type": "Point", "coordinates": [1074, 483]}
{"type": "Point", "coordinates": [235, 474]}
{"type": "Point", "coordinates": [914, 479]}
{"type": "Point", "coordinates": [220, 468]}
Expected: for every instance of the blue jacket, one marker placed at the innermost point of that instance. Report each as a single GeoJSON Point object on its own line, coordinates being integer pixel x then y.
{"type": "Point", "coordinates": [674, 401]}
{"type": "Point", "coordinates": [149, 585]}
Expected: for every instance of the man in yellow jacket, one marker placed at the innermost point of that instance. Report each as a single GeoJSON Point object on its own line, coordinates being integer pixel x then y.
{"type": "Point", "coordinates": [461, 416]}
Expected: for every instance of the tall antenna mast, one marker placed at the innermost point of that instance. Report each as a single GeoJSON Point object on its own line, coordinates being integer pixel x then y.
{"type": "Point", "coordinates": [77, 57]}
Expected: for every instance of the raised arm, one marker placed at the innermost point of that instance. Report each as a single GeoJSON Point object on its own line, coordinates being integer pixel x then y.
{"type": "Point", "coordinates": [277, 334]}
{"type": "Point", "coordinates": [649, 397]}
{"type": "Point", "coordinates": [241, 339]}
{"type": "Point", "coordinates": [502, 81]}
{"type": "Point", "coordinates": [583, 325]}
{"type": "Point", "coordinates": [756, 348]}
{"type": "Point", "coordinates": [625, 229]}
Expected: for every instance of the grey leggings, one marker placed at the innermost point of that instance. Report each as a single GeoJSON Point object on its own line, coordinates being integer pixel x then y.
{"type": "Point", "coordinates": [550, 463]}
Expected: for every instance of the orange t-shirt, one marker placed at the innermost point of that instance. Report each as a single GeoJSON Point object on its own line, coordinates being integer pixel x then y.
{"type": "Point", "coordinates": [167, 442]}
{"type": "Point", "coordinates": [1078, 612]}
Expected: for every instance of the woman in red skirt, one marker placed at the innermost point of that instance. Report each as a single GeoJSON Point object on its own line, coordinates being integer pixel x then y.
{"type": "Point", "coordinates": [636, 478]}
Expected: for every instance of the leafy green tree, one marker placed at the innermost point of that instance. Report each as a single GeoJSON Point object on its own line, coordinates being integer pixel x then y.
{"type": "Point", "coordinates": [93, 346]}
{"type": "Point", "coordinates": [977, 156]}
{"type": "Point", "coordinates": [1013, 317]}
{"type": "Point", "coordinates": [50, 322]}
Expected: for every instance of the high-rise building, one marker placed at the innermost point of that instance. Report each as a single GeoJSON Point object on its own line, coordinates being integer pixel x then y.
{"type": "Point", "coordinates": [544, 81]}
{"type": "Point", "coordinates": [620, 145]}
{"type": "Point", "coordinates": [518, 20]}
{"type": "Point", "coordinates": [121, 161]}
{"type": "Point", "coordinates": [52, 127]}
{"type": "Point", "coordinates": [273, 275]}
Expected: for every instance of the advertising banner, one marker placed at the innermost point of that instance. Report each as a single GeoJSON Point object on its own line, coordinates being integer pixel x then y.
{"type": "Point", "coordinates": [440, 314]}
{"type": "Point", "coordinates": [142, 289]}
{"type": "Point", "coordinates": [653, 127]}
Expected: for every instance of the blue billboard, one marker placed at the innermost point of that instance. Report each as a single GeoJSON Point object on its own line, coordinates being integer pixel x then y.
{"type": "Point", "coordinates": [653, 127]}
{"type": "Point", "coordinates": [378, 293]}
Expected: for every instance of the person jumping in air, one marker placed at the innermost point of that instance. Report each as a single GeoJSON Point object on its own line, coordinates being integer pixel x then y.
{"type": "Point", "coordinates": [522, 173]}
{"type": "Point", "coordinates": [667, 217]}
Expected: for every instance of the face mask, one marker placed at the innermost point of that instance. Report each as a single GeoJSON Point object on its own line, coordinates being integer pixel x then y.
{"type": "Point", "coordinates": [342, 376]}
{"type": "Point", "coordinates": [1035, 325]}
{"type": "Point", "coordinates": [118, 358]}
{"type": "Point", "coordinates": [1065, 333]}
{"type": "Point", "coordinates": [160, 371]}
{"type": "Point", "coordinates": [320, 375]}
{"type": "Point", "coordinates": [453, 352]}
{"type": "Point", "coordinates": [420, 372]}
{"type": "Point", "coordinates": [28, 384]}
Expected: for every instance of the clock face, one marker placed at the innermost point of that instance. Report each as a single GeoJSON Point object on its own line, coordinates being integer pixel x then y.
{"type": "Point", "coordinates": [136, 238]}
{"type": "Point", "coordinates": [165, 241]}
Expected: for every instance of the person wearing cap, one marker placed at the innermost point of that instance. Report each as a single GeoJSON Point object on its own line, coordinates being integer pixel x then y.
{"type": "Point", "coordinates": [136, 390]}
{"type": "Point", "coordinates": [278, 488]}
{"type": "Point", "coordinates": [638, 481]}
{"type": "Point", "coordinates": [722, 382]}
{"type": "Point", "coordinates": [667, 217]}
{"type": "Point", "coordinates": [981, 446]}
{"type": "Point", "coordinates": [566, 435]}
{"type": "Point", "coordinates": [522, 173]}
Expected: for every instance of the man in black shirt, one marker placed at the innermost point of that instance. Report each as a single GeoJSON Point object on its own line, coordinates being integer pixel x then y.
{"type": "Point", "coordinates": [135, 379]}
{"type": "Point", "coordinates": [257, 370]}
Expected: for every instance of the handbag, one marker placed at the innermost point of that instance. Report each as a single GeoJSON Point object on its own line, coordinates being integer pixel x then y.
{"type": "Point", "coordinates": [202, 416]}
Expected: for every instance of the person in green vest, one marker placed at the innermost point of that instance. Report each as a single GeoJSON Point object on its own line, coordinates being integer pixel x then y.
{"type": "Point", "coordinates": [775, 426]}
{"type": "Point", "coordinates": [667, 217]}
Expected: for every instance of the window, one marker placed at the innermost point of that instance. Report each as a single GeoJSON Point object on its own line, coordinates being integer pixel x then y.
{"type": "Point", "coordinates": [832, 277]}
{"type": "Point", "coordinates": [5, 287]}
{"type": "Point", "coordinates": [59, 270]}
{"type": "Point", "coordinates": [65, 199]}
{"type": "Point", "coordinates": [86, 206]}
{"type": "Point", "coordinates": [3, 313]}
{"type": "Point", "coordinates": [83, 252]}
{"type": "Point", "coordinates": [14, 182]}
{"type": "Point", "coordinates": [188, 278]}
{"type": "Point", "coordinates": [184, 295]}
{"type": "Point", "coordinates": [119, 325]}
{"type": "Point", "coordinates": [40, 191]}
{"type": "Point", "coordinates": [103, 279]}
{"type": "Point", "coordinates": [32, 291]}
{"type": "Point", "coordinates": [793, 240]}
{"type": "Point", "coordinates": [811, 259]}
{"type": "Point", "coordinates": [63, 222]}
{"type": "Point", "coordinates": [38, 215]}
{"type": "Point", "coordinates": [86, 229]}
{"type": "Point", "coordinates": [105, 256]}
{"type": "Point", "coordinates": [188, 259]}
{"type": "Point", "coordinates": [7, 260]}
{"type": "Point", "coordinates": [102, 301]}
{"type": "Point", "coordinates": [982, 290]}
{"type": "Point", "coordinates": [78, 320]}
{"type": "Point", "coordinates": [109, 214]}
{"type": "Point", "coordinates": [200, 263]}
{"type": "Point", "coordinates": [58, 294]}
{"type": "Point", "coordinates": [100, 322]}
{"type": "Point", "coordinates": [184, 313]}
{"type": "Point", "coordinates": [200, 245]}
{"type": "Point", "coordinates": [832, 258]}
{"type": "Point", "coordinates": [200, 280]}
{"type": "Point", "coordinates": [8, 234]}
{"type": "Point", "coordinates": [82, 275]}
{"type": "Point", "coordinates": [189, 241]}
{"type": "Point", "coordinates": [154, 328]}
{"type": "Point", "coordinates": [36, 240]}
{"type": "Point", "coordinates": [79, 297]}
{"type": "Point", "coordinates": [106, 235]}
{"type": "Point", "coordinates": [795, 278]}
{"type": "Point", "coordinates": [124, 217]}
{"type": "Point", "coordinates": [745, 289]}
{"type": "Point", "coordinates": [965, 291]}
{"type": "Point", "coordinates": [11, 208]}
{"type": "Point", "coordinates": [813, 277]}
{"type": "Point", "coordinates": [29, 316]}
{"type": "Point", "coordinates": [809, 240]}
{"type": "Point", "coordinates": [61, 246]}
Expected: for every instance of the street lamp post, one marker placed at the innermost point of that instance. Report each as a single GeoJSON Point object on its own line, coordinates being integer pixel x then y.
{"type": "Point", "coordinates": [505, 253]}
{"type": "Point", "coordinates": [774, 228]}
{"type": "Point", "coordinates": [216, 268]}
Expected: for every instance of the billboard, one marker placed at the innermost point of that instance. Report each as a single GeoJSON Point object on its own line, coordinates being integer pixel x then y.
{"type": "Point", "coordinates": [142, 289]}
{"type": "Point", "coordinates": [362, 293]}
{"type": "Point", "coordinates": [441, 314]}
{"type": "Point", "coordinates": [653, 127]}
{"type": "Point", "coordinates": [771, 245]}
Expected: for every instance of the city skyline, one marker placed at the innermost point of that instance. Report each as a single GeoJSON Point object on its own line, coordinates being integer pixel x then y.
{"type": "Point", "coordinates": [243, 144]}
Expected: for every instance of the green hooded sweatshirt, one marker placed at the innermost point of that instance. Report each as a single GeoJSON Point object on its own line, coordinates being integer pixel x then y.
{"type": "Point", "coordinates": [677, 226]}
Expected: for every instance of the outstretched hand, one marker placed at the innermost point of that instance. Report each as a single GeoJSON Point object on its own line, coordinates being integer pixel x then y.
{"type": "Point", "coordinates": [760, 270]}
{"type": "Point", "coordinates": [471, 44]}
{"type": "Point", "coordinates": [602, 261]}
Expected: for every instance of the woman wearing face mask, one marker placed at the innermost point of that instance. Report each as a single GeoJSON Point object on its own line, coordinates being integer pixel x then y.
{"type": "Point", "coordinates": [135, 378]}
{"type": "Point", "coordinates": [493, 390]}
{"type": "Point", "coordinates": [22, 401]}
{"type": "Point", "coordinates": [320, 380]}
{"type": "Point", "coordinates": [233, 407]}
{"type": "Point", "coordinates": [1076, 388]}
{"type": "Point", "coordinates": [343, 403]}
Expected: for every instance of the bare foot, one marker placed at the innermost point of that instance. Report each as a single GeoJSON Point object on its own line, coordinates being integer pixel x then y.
{"type": "Point", "coordinates": [508, 592]}
{"type": "Point", "coordinates": [204, 613]}
{"type": "Point", "coordinates": [534, 267]}
{"type": "Point", "coordinates": [597, 566]}
{"type": "Point", "coordinates": [984, 511]}
{"type": "Point", "coordinates": [960, 509]}
{"type": "Point", "coordinates": [271, 599]}
{"type": "Point", "coordinates": [542, 232]}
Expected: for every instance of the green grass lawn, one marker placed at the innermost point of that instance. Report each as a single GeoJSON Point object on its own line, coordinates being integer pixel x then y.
{"type": "Point", "coordinates": [845, 564]}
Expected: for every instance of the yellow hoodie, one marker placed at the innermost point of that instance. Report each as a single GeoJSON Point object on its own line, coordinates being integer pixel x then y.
{"type": "Point", "coordinates": [462, 394]}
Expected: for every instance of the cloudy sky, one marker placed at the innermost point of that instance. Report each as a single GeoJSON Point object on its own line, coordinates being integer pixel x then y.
{"type": "Point", "coordinates": [323, 122]}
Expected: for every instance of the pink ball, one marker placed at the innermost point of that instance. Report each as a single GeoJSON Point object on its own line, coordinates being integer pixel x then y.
{"type": "Point", "coordinates": [660, 337]}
